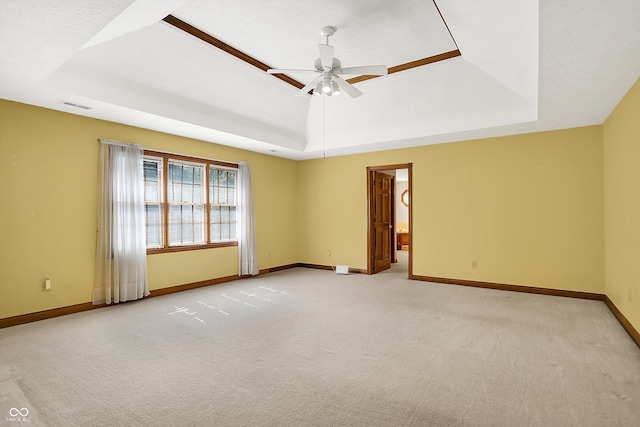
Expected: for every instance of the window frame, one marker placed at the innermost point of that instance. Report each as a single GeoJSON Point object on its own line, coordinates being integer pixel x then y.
{"type": "Point", "coordinates": [208, 163]}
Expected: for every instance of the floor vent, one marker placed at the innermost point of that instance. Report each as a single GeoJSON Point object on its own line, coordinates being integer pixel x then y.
{"type": "Point", "coordinates": [342, 269]}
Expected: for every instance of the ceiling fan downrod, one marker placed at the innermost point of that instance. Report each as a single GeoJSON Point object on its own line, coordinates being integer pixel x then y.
{"type": "Point", "coordinates": [327, 32]}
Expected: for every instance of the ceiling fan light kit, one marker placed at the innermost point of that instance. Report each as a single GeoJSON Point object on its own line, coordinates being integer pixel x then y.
{"type": "Point", "coordinates": [329, 68]}
{"type": "Point", "coordinates": [327, 88]}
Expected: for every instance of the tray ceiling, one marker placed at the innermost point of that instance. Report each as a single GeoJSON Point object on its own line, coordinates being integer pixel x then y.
{"type": "Point", "coordinates": [517, 67]}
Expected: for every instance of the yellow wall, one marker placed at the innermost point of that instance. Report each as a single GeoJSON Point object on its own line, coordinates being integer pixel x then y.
{"type": "Point", "coordinates": [530, 209]}
{"type": "Point", "coordinates": [48, 171]}
{"type": "Point", "coordinates": [622, 205]}
{"type": "Point", "coordinates": [527, 208]}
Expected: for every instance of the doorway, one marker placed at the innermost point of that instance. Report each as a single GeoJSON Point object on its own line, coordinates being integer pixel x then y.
{"type": "Point", "coordinates": [382, 227]}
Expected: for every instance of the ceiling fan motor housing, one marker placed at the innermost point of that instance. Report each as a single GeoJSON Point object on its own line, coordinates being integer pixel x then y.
{"type": "Point", "coordinates": [336, 65]}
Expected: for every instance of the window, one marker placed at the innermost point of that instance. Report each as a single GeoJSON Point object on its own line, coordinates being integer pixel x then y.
{"type": "Point", "coordinates": [153, 201]}
{"type": "Point", "coordinates": [185, 196]}
{"type": "Point", "coordinates": [222, 202]}
{"type": "Point", "coordinates": [191, 206]}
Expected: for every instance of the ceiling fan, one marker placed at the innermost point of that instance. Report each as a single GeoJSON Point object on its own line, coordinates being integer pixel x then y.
{"type": "Point", "coordinates": [329, 68]}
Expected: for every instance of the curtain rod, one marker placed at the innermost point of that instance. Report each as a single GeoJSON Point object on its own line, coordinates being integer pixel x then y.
{"type": "Point", "coordinates": [189, 156]}
{"type": "Point", "coordinates": [124, 144]}
{"type": "Point", "coordinates": [222, 162]}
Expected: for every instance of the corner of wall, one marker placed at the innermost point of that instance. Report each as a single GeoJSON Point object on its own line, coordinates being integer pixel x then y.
{"type": "Point", "coordinates": [621, 159]}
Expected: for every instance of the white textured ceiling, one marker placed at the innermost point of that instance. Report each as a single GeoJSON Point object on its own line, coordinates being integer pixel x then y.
{"type": "Point", "coordinates": [526, 65]}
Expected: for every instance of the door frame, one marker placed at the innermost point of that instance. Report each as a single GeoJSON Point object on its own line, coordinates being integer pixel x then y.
{"type": "Point", "coordinates": [370, 227]}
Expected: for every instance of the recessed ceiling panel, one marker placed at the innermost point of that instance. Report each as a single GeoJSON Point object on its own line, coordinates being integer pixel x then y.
{"type": "Point", "coordinates": [455, 96]}
{"type": "Point", "coordinates": [285, 34]}
{"type": "Point", "coordinates": [170, 74]}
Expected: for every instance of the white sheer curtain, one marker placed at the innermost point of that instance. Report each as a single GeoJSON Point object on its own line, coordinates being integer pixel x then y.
{"type": "Point", "coordinates": [247, 248]}
{"type": "Point", "coordinates": [121, 258]}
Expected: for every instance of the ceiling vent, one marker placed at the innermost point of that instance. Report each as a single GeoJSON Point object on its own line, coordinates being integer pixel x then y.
{"type": "Point", "coordinates": [71, 104]}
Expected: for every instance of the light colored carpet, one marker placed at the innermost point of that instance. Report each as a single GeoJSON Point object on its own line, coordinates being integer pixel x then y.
{"type": "Point", "coordinates": [306, 347]}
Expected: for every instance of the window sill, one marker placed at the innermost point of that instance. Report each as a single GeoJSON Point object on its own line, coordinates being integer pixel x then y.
{"type": "Point", "coordinates": [191, 248]}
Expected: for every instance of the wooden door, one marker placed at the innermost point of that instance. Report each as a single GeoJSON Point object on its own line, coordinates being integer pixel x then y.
{"type": "Point", "coordinates": [377, 187]}
{"type": "Point", "coordinates": [382, 226]}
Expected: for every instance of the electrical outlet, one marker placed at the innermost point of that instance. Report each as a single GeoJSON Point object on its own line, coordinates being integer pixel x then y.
{"type": "Point", "coordinates": [47, 285]}
{"type": "Point", "coordinates": [328, 253]}
{"type": "Point", "coordinates": [474, 264]}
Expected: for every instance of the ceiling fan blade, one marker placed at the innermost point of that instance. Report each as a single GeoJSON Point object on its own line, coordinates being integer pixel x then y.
{"type": "Point", "coordinates": [347, 87]}
{"type": "Point", "coordinates": [326, 56]}
{"type": "Point", "coordinates": [286, 71]}
{"type": "Point", "coordinates": [367, 70]}
{"type": "Point", "coordinates": [309, 86]}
